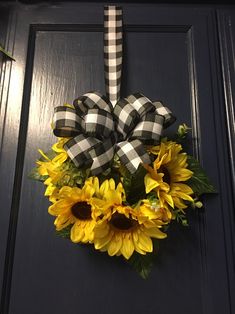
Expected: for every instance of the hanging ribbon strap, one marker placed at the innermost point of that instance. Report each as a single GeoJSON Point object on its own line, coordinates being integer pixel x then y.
{"type": "Point", "coordinates": [113, 52]}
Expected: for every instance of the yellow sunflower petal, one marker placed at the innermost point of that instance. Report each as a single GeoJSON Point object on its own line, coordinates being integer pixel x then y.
{"type": "Point", "coordinates": [155, 233]}
{"type": "Point", "coordinates": [89, 230]}
{"type": "Point", "coordinates": [166, 197]}
{"type": "Point", "coordinates": [62, 221]}
{"type": "Point", "coordinates": [49, 190]}
{"type": "Point", "coordinates": [185, 196]}
{"type": "Point", "coordinates": [48, 181]}
{"type": "Point", "coordinates": [104, 187]}
{"type": "Point", "coordinates": [145, 243]}
{"type": "Point", "coordinates": [101, 230]}
{"type": "Point", "coordinates": [179, 204]}
{"type": "Point", "coordinates": [150, 183]}
{"type": "Point", "coordinates": [115, 245]}
{"type": "Point", "coordinates": [59, 146]}
{"type": "Point", "coordinates": [136, 243]}
{"type": "Point", "coordinates": [88, 191]}
{"type": "Point", "coordinates": [101, 242]}
{"type": "Point", "coordinates": [59, 207]}
{"type": "Point", "coordinates": [183, 188]}
{"type": "Point", "coordinates": [94, 181]}
{"type": "Point", "coordinates": [76, 195]}
{"type": "Point", "coordinates": [60, 158]}
{"type": "Point", "coordinates": [111, 184]}
{"type": "Point", "coordinates": [127, 247]}
{"type": "Point", "coordinates": [65, 191]}
{"type": "Point", "coordinates": [76, 233]}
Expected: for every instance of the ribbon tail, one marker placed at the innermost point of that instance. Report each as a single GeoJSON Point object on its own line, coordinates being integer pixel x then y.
{"type": "Point", "coordinates": [132, 154]}
{"type": "Point", "coordinates": [78, 149]}
{"type": "Point", "coordinates": [102, 155]}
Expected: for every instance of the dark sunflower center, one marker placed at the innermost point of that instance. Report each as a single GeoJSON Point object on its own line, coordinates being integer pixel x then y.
{"type": "Point", "coordinates": [81, 210]}
{"type": "Point", "coordinates": [121, 222]}
{"type": "Point", "coordinates": [167, 176]}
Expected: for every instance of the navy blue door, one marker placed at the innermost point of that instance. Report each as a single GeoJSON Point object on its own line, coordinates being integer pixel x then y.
{"type": "Point", "coordinates": [170, 54]}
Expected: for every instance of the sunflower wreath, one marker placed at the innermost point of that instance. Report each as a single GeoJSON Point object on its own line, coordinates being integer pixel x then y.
{"type": "Point", "coordinates": [114, 182]}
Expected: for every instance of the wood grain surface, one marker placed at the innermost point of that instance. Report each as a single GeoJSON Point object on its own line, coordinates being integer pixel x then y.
{"type": "Point", "coordinates": [170, 54]}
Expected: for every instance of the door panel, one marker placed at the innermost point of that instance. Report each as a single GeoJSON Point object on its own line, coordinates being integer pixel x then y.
{"type": "Point", "coordinates": [169, 55]}
{"type": "Point", "coordinates": [9, 128]}
{"type": "Point", "coordinates": [226, 19]}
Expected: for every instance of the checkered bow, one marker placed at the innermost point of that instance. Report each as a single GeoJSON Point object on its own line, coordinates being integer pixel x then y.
{"type": "Point", "coordinates": [98, 130]}
{"type": "Point", "coordinates": [100, 126]}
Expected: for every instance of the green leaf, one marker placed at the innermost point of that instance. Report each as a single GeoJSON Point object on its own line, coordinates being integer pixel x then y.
{"type": "Point", "coordinates": [134, 185]}
{"type": "Point", "coordinates": [64, 233]}
{"type": "Point", "coordinates": [35, 175]}
{"type": "Point", "coordinates": [143, 264]}
{"type": "Point", "coordinates": [199, 182]}
{"type": "Point", "coordinates": [180, 217]}
{"type": "Point", "coordinates": [6, 54]}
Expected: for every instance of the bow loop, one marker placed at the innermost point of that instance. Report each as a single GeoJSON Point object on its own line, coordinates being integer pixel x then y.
{"type": "Point", "coordinates": [165, 112]}
{"type": "Point", "coordinates": [98, 130]}
{"type": "Point", "coordinates": [92, 100]}
{"type": "Point", "coordinates": [126, 117]}
{"type": "Point", "coordinates": [67, 123]}
{"type": "Point", "coordinates": [149, 129]}
{"type": "Point", "coordinates": [92, 128]}
{"type": "Point", "coordinates": [140, 103]}
{"type": "Point", "coordinates": [98, 123]}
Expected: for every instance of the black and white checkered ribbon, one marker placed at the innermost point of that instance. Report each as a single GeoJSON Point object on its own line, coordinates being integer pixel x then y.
{"type": "Point", "coordinates": [101, 126]}
{"type": "Point", "coordinates": [113, 51]}
{"type": "Point", "coordinates": [99, 131]}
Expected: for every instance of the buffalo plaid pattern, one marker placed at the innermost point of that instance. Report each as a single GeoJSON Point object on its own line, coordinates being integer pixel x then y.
{"type": "Point", "coordinates": [66, 122]}
{"type": "Point", "coordinates": [101, 126]}
{"type": "Point", "coordinates": [98, 123]}
{"type": "Point", "coordinates": [132, 154]}
{"type": "Point", "coordinates": [92, 128]}
{"type": "Point", "coordinates": [78, 149]}
{"type": "Point", "coordinates": [98, 132]}
{"type": "Point", "coordinates": [113, 51]}
{"type": "Point", "coordinates": [92, 100]}
{"type": "Point", "coordinates": [102, 155]}
{"type": "Point", "coordinates": [149, 129]}
{"type": "Point", "coordinates": [126, 117]}
{"type": "Point", "coordinates": [165, 112]}
{"type": "Point", "coordinates": [140, 103]}
{"type": "Point", "coordinates": [89, 151]}
{"type": "Point", "coordinates": [138, 117]}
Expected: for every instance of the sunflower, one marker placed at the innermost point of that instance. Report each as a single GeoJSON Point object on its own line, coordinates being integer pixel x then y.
{"type": "Point", "coordinates": [168, 174]}
{"type": "Point", "coordinates": [52, 168]}
{"type": "Point", "coordinates": [123, 229]}
{"type": "Point", "coordinates": [73, 207]}
{"type": "Point", "coordinates": [49, 165]}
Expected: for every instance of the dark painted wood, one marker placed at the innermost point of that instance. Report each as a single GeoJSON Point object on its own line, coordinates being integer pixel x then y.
{"type": "Point", "coordinates": [142, 1]}
{"type": "Point", "coordinates": [226, 30]}
{"type": "Point", "coordinates": [172, 54]}
{"type": "Point", "coordinates": [8, 130]}
{"type": "Point", "coordinates": [226, 23]}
